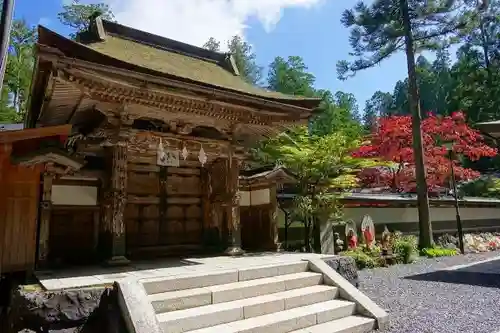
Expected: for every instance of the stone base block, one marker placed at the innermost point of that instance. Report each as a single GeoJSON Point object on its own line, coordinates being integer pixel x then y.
{"type": "Point", "coordinates": [346, 267]}
{"type": "Point", "coordinates": [234, 251]}
{"type": "Point", "coordinates": [118, 261]}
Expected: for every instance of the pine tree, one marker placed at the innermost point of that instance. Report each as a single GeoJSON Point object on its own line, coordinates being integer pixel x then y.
{"type": "Point", "coordinates": [377, 30]}
{"type": "Point", "coordinates": [76, 15]}
{"type": "Point", "coordinates": [244, 57]}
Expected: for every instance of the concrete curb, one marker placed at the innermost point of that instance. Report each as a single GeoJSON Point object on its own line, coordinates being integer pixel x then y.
{"type": "Point", "coordinates": [137, 311]}
{"type": "Point", "coordinates": [452, 268]}
{"type": "Point", "coordinates": [364, 305]}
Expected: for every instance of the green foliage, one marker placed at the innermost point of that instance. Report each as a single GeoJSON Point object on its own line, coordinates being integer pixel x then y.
{"type": "Point", "coordinates": [379, 105]}
{"type": "Point", "coordinates": [323, 160]}
{"type": "Point", "coordinates": [245, 60]}
{"type": "Point", "coordinates": [438, 252]}
{"type": "Point", "coordinates": [18, 72]}
{"type": "Point", "coordinates": [404, 247]}
{"type": "Point", "coordinates": [291, 77]}
{"type": "Point", "coordinates": [482, 187]}
{"type": "Point", "coordinates": [363, 259]}
{"type": "Point", "coordinates": [337, 112]}
{"type": "Point", "coordinates": [244, 57]}
{"type": "Point", "coordinates": [77, 15]}
{"type": "Point", "coordinates": [323, 167]}
{"type": "Point", "coordinates": [212, 44]}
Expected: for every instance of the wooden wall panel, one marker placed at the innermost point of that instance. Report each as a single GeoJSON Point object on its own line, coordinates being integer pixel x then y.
{"type": "Point", "coordinates": [143, 184]}
{"type": "Point", "coordinates": [18, 217]}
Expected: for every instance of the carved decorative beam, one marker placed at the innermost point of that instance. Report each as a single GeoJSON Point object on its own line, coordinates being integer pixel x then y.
{"type": "Point", "coordinates": [103, 90]}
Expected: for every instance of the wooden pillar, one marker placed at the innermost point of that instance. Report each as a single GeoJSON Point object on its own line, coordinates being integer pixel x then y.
{"type": "Point", "coordinates": [210, 234]}
{"type": "Point", "coordinates": [5, 151]}
{"type": "Point", "coordinates": [105, 230]}
{"type": "Point", "coordinates": [45, 215]}
{"type": "Point", "coordinates": [234, 225]}
{"type": "Point", "coordinates": [118, 191]}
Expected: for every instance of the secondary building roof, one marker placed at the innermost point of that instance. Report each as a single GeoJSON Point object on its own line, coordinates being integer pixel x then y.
{"type": "Point", "coordinates": [492, 128]}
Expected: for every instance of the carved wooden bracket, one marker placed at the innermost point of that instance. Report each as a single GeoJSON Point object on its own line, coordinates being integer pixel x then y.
{"type": "Point", "coordinates": [181, 128]}
{"type": "Point", "coordinates": [186, 129]}
{"type": "Point", "coordinates": [127, 118]}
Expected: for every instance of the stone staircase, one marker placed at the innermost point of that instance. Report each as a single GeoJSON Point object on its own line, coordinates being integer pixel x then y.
{"type": "Point", "coordinates": [289, 297]}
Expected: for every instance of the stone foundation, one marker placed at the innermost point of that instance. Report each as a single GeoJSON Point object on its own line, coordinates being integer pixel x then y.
{"type": "Point", "coordinates": [346, 267]}
{"type": "Point", "coordinates": [82, 311]}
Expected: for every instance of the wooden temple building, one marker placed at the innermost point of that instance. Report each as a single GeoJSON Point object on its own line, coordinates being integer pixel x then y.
{"type": "Point", "coordinates": [162, 128]}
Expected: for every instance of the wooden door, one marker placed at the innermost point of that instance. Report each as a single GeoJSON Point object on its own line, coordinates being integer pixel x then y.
{"type": "Point", "coordinates": [182, 222]}
{"type": "Point", "coordinates": [164, 207]}
{"type": "Point", "coordinates": [255, 228]}
{"type": "Point", "coordinates": [72, 236]}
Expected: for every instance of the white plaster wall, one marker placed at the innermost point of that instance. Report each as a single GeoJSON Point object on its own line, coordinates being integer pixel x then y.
{"type": "Point", "coordinates": [70, 195]}
{"type": "Point", "coordinates": [410, 214]}
{"type": "Point", "coordinates": [244, 198]}
{"type": "Point", "coordinates": [255, 198]}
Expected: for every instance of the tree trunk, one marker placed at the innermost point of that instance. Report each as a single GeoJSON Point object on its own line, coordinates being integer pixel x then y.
{"type": "Point", "coordinates": [316, 235]}
{"type": "Point", "coordinates": [287, 225]}
{"type": "Point", "coordinates": [307, 235]}
{"type": "Point", "coordinates": [5, 28]}
{"type": "Point", "coordinates": [487, 63]}
{"type": "Point", "coordinates": [424, 219]}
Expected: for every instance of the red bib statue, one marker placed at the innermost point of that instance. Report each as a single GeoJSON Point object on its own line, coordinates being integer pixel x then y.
{"type": "Point", "coordinates": [352, 240]}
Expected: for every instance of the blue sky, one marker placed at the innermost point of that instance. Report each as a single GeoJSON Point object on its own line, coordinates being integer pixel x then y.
{"type": "Point", "coordinates": [313, 33]}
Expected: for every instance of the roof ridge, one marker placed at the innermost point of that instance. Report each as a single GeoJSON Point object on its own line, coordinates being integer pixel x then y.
{"type": "Point", "coordinates": [115, 29]}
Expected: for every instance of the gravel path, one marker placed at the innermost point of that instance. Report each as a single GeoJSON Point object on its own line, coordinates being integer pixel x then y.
{"type": "Point", "coordinates": [426, 306]}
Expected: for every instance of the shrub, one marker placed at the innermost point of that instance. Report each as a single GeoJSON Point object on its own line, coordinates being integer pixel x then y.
{"type": "Point", "coordinates": [373, 251]}
{"type": "Point", "coordinates": [362, 259]}
{"type": "Point", "coordinates": [438, 252]}
{"type": "Point", "coordinates": [404, 247]}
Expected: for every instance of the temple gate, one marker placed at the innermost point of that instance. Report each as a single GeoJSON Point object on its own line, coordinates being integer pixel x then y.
{"type": "Point", "coordinates": [163, 127]}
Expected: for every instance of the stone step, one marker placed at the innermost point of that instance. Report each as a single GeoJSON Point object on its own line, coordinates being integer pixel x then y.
{"type": "Point", "coordinates": [206, 316]}
{"type": "Point", "coordinates": [218, 277]}
{"type": "Point", "coordinates": [259, 272]}
{"type": "Point", "coordinates": [286, 321]}
{"type": "Point", "coordinates": [185, 299]}
{"type": "Point", "coordinates": [350, 324]}
{"type": "Point", "coordinates": [251, 288]}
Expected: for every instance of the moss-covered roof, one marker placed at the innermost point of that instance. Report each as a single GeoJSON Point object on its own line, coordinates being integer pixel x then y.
{"type": "Point", "coordinates": [177, 64]}
{"type": "Point", "coordinates": [182, 60]}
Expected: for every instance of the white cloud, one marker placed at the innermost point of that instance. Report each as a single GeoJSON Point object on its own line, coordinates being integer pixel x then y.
{"type": "Point", "coordinates": [195, 21]}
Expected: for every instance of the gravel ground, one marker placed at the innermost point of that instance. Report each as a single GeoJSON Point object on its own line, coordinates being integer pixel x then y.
{"type": "Point", "coordinates": [426, 306]}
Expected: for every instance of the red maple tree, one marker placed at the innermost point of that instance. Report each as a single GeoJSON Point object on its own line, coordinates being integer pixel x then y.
{"type": "Point", "coordinates": [392, 141]}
